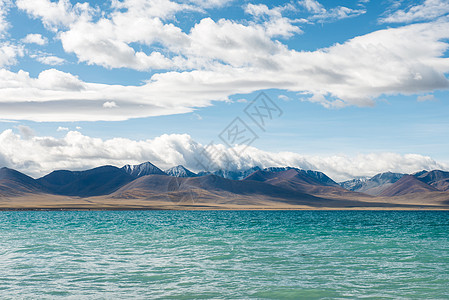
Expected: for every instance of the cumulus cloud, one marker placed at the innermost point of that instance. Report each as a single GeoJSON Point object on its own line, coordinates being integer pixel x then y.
{"type": "Point", "coordinates": [110, 104]}
{"type": "Point", "coordinates": [407, 60]}
{"type": "Point", "coordinates": [212, 61]}
{"type": "Point", "coordinates": [58, 14]}
{"type": "Point", "coordinates": [428, 10]}
{"type": "Point", "coordinates": [60, 128]}
{"type": "Point", "coordinates": [107, 41]}
{"type": "Point", "coordinates": [38, 155]}
{"type": "Point", "coordinates": [35, 38]}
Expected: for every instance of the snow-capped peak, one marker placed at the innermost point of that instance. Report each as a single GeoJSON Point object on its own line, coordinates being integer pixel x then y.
{"type": "Point", "coordinates": [180, 171]}
{"type": "Point", "coordinates": [143, 169]}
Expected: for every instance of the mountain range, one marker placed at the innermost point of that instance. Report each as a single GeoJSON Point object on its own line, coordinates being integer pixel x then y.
{"type": "Point", "coordinates": [145, 186]}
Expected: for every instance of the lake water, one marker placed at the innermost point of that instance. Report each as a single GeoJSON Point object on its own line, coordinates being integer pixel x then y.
{"type": "Point", "coordinates": [224, 254]}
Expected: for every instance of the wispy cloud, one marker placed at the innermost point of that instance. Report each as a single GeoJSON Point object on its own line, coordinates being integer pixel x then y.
{"type": "Point", "coordinates": [428, 10]}
{"type": "Point", "coordinates": [321, 14]}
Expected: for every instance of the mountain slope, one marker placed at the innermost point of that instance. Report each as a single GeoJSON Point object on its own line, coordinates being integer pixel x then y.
{"type": "Point", "coordinates": [408, 184]}
{"type": "Point", "coordinates": [215, 188]}
{"type": "Point", "coordinates": [13, 183]}
{"type": "Point", "coordinates": [436, 178]}
{"type": "Point", "coordinates": [373, 186]}
{"type": "Point", "coordinates": [142, 169]}
{"type": "Point", "coordinates": [310, 182]}
{"type": "Point", "coordinates": [94, 182]}
{"type": "Point", "coordinates": [354, 184]}
{"type": "Point", "coordinates": [180, 171]}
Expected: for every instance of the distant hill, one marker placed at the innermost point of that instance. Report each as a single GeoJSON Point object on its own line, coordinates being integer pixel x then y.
{"type": "Point", "coordinates": [373, 186]}
{"type": "Point", "coordinates": [436, 178]}
{"type": "Point", "coordinates": [143, 169]}
{"type": "Point", "coordinates": [408, 184]}
{"type": "Point", "coordinates": [94, 182]}
{"type": "Point", "coordinates": [180, 171]}
{"type": "Point", "coordinates": [14, 183]}
{"type": "Point", "coordinates": [311, 182]}
{"type": "Point", "coordinates": [215, 188]}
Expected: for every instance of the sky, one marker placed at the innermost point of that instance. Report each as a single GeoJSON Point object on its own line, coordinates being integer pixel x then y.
{"type": "Point", "coordinates": [351, 89]}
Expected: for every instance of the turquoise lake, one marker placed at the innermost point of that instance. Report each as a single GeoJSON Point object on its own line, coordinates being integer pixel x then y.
{"type": "Point", "coordinates": [224, 255]}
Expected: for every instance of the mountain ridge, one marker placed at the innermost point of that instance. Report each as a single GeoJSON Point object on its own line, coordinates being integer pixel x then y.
{"type": "Point", "coordinates": [285, 185]}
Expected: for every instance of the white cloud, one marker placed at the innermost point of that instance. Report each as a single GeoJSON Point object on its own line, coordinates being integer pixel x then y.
{"type": "Point", "coordinates": [428, 10]}
{"type": "Point", "coordinates": [38, 155]}
{"type": "Point", "coordinates": [321, 14]}
{"type": "Point", "coordinates": [407, 60]}
{"type": "Point", "coordinates": [277, 24]}
{"type": "Point", "coordinates": [54, 80]}
{"type": "Point", "coordinates": [211, 3]}
{"type": "Point", "coordinates": [214, 60]}
{"type": "Point", "coordinates": [57, 14]}
{"type": "Point", "coordinates": [422, 98]}
{"type": "Point", "coordinates": [26, 132]}
{"type": "Point", "coordinates": [9, 53]}
{"type": "Point", "coordinates": [50, 60]}
{"type": "Point", "coordinates": [313, 6]}
{"type": "Point", "coordinates": [284, 97]}
{"type": "Point", "coordinates": [106, 42]}
{"type": "Point", "coordinates": [4, 24]}
{"type": "Point", "coordinates": [35, 38]}
{"type": "Point", "coordinates": [110, 104]}
{"type": "Point", "coordinates": [60, 128]}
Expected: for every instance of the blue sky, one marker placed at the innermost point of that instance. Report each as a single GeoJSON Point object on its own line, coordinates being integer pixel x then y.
{"type": "Point", "coordinates": [362, 84]}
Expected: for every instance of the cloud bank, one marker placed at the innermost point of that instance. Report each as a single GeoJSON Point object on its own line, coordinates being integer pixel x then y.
{"type": "Point", "coordinates": [38, 155]}
{"type": "Point", "coordinates": [213, 59]}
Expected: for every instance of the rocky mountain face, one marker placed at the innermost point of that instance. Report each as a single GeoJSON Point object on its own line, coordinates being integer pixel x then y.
{"type": "Point", "coordinates": [373, 186]}
{"type": "Point", "coordinates": [143, 169]}
{"type": "Point", "coordinates": [180, 171]}
{"type": "Point", "coordinates": [233, 175]}
{"type": "Point", "coordinates": [436, 178]}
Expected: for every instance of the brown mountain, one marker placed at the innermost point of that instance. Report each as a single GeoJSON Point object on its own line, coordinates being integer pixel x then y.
{"type": "Point", "coordinates": [408, 184]}
{"type": "Point", "coordinates": [373, 186]}
{"type": "Point", "coordinates": [215, 189]}
{"type": "Point", "coordinates": [300, 181]}
{"type": "Point", "coordinates": [436, 178]}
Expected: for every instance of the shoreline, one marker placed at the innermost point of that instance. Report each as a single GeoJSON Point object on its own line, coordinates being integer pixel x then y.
{"type": "Point", "coordinates": [224, 209]}
{"type": "Point", "coordinates": [45, 202]}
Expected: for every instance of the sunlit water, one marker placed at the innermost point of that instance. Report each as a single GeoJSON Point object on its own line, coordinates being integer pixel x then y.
{"type": "Point", "coordinates": [224, 255]}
